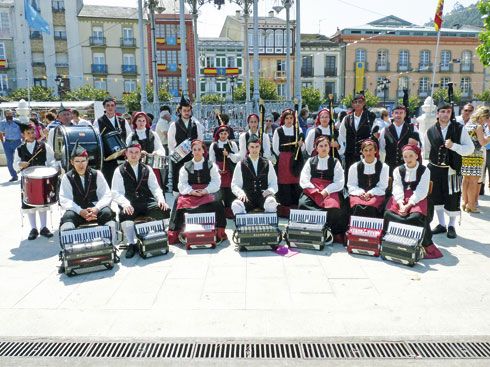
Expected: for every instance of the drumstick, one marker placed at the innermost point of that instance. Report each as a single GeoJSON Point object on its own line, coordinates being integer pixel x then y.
{"type": "Point", "coordinates": [102, 132]}
{"type": "Point", "coordinates": [30, 160]}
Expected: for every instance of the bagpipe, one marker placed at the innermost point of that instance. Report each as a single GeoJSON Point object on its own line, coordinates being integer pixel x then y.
{"type": "Point", "coordinates": [334, 152]}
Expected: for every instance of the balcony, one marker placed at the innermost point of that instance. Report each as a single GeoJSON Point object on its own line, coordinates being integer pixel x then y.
{"type": "Point", "coordinates": [36, 35]}
{"type": "Point", "coordinates": [99, 69]}
{"type": "Point", "coordinates": [128, 69]}
{"type": "Point", "coordinates": [365, 65]}
{"type": "Point", "coordinates": [446, 68]}
{"type": "Point", "coordinates": [61, 64]}
{"type": "Point", "coordinates": [38, 63]}
{"type": "Point", "coordinates": [279, 74]}
{"type": "Point", "coordinates": [423, 92]}
{"type": "Point", "coordinates": [128, 42]}
{"type": "Point", "coordinates": [97, 41]}
{"type": "Point", "coordinates": [403, 67]}
{"type": "Point", "coordinates": [59, 35]}
{"type": "Point", "coordinates": [467, 68]}
{"type": "Point", "coordinates": [425, 67]}
{"type": "Point", "coordinates": [58, 8]}
{"type": "Point", "coordinates": [330, 72]}
{"type": "Point", "coordinates": [383, 66]}
{"type": "Point", "coordinates": [307, 73]}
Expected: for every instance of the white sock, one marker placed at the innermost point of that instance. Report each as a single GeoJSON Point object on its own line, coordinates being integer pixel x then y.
{"type": "Point", "coordinates": [452, 221]}
{"type": "Point", "coordinates": [441, 217]}
{"type": "Point", "coordinates": [43, 218]}
{"type": "Point", "coordinates": [32, 219]}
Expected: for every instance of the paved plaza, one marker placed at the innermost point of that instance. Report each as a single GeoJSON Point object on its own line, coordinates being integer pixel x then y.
{"type": "Point", "coordinates": [222, 293]}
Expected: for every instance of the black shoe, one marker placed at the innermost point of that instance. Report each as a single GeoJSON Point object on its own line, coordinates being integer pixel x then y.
{"type": "Point", "coordinates": [439, 229]}
{"type": "Point", "coordinates": [451, 232]}
{"type": "Point", "coordinates": [13, 179]}
{"type": "Point", "coordinates": [46, 233]}
{"type": "Point", "coordinates": [33, 234]}
{"type": "Point", "coordinates": [130, 251]}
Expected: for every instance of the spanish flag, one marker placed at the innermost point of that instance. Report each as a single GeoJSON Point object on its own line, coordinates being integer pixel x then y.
{"type": "Point", "coordinates": [438, 16]}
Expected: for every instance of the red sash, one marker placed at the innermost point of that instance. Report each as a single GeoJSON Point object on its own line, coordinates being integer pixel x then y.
{"type": "Point", "coordinates": [330, 201]}
{"type": "Point", "coordinates": [284, 174]}
{"type": "Point", "coordinates": [420, 207]}
{"type": "Point", "coordinates": [226, 176]}
{"type": "Point", "coordinates": [375, 201]}
{"type": "Point", "coordinates": [192, 202]}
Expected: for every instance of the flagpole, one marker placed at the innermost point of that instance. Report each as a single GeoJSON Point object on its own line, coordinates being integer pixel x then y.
{"type": "Point", "coordinates": [435, 63]}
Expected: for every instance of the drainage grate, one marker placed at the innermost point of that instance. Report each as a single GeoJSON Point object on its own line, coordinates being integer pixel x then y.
{"type": "Point", "coordinates": [238, 350]}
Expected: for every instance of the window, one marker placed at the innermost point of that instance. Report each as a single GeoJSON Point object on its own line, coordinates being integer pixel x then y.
{"type": "Point", "coordinates": [41, 82]}
{"type": "Point", "coordinates": [329, 88]}
{"type": "Point", "coordinates": [446, 60]}
{"type": "Point", "coordinates": [172, 61]}
{"type": "Point", "coordinates": [4, 82]}
{"type": "Point", "coordinates": [231, 62]}
{"type": "Point", "coordinates": [210, 62]}
{"type": "Point", "coordinates": [100, 84]}
{"type": "Point", "coordinates": [424, 60]}
{"type": "Point", "coordinates": [60, 33]}
{"type": "Point", "coordinates": [382, 87]}
{"type": "Point", "coordinates": [221, 87]}
{"type": "Point", "coordinates": [307, 66]}
{"type": "Point", "coordinates": [58, 5]}
{"type": "Point", "coordinates": [306, 84]}
{"type": "Point", "coordinates": [403, 83]}
{"type": "Point", "coordinates": [3, 54]}
{"type": "Point", "coordinates": [466, 61]}
{"type": "Point", "coordinates": [330, 66]}
{"type": "Point", "coordinates": [382, 60]}
{"type": "Point", "coordinates": [279, 36]}
{"type": "Point", "coordinates": [129, 59]}
{"type": "Point", "coordinates": [444, 82]}
{"type": "Point", "coordinates": [129, 86]}
{"type": "Point", "coordinates": [61, 59]}
{"type": "Point", "coordinates": [128, 33]}
{"type": "Point", "coordinates": [269, 38]}
{"type": "Point", "coordinates": [465, 86]}
{"type": "Point", "coordinates": [38, 58]}
{"type": "Point", "coordinates": [221, 61]}
{"type": "Point", "coordinates": [281, 90]}
{"type": "Point", "coordinates": [239, 62]}
{"type": "Point", "coordinates": [423, 86]}
{"type": "Point", "coordinates": [97, 32]}
{"type": "Point", "coordinates": [281, 65]}
{"type": "Point", "coordinates": [159, 30]}
{"type": "Point", "coordinates": [99, 58]}
{"type": "Point", "coordinates": [4, 23]}
{"type": "Point", "coordinates": [360, 55]}
{"type": "Point", "coordinates": [261, 37]}
{"type": "Point", "coordinates": [161, 58]}
{"type": "Point", "coordinates": [203, 87]}
{"type": "Point", "coordinates": [403, 58]}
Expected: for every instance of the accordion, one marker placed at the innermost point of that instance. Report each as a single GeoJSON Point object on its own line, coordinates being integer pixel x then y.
{"type": "Point", "coordinates": [152, 238]}
{"type": "Point", "coordinates": [308, 229]}
{"type": "Point", "coordinates": [87, 249]}
{"type": "Point", "coordinates": [402, 243]}
{"type": "Point", "coordinates": [364, 235]}
{"type": "Point", "coordinates": [257, 232]}
{"type": "Point", "coordinates": [199, 231]}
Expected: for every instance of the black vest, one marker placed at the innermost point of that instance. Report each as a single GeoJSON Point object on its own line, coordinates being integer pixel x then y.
{"type": "Point", "coordinates": [84, 196]}
{"type": "Point", "coordinates": [418, 175]}
{"type": "Point", "coordinates": [355, 137]}
{"type": "Point", "coordinates": [147, 144]}
{"type": "Point", "coordinates": [368, 182]}
{"type": "Point", "coordinates": [255, 184]}
{"type": "Point", "coordinates": [218, 152]}
{"type": "Point", "coordinates": [284, 139]}
{"type": "Point", "coordinates": [439, 154]}
{"type": "Point", "coordinates": [105, 126]}
{"type": "Point", "coordinates": [25, 156]}
{"type": "Point", "coordinates": [136, 191]}
{"type": "Point", "coordinates": [327, 174]}
{"type": "Point", "coordinates": [201, 176]}
{"type": "Point", "coordinates": [182, 133]}
{"type": "Point", "coordinates": [393, 145]}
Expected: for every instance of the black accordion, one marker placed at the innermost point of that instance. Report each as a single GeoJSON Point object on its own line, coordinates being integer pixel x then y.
{"type": "Point", "coordinates": [402, 243]}
{"type": "Point", "coordinates": [152, 238]}
{"type": "Point", "coordinates": [307, 229]}
{"type": "Point", "coordinates": [87, 249]}
{"type": "Point", "coordinates": [257, 232]}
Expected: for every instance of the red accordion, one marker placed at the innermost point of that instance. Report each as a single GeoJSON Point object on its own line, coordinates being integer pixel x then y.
{"type": "Point", "coordinates": [364, 235]}
{"type": "Point", "coordinates": [199, 231]}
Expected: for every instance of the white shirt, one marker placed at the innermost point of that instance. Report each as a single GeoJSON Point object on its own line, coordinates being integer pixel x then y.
{"type": "Point", "coordinates": [157, 144]}
{"type": "Point", "coordinates": [310, 139]}
{"type": "Point", "coordinates": [119, 192]}
{"type": "Point", "coordinates": [113, 122]}
{"type": "Point", "coordinates": [81, 122]}
{"type": "Point", "coordinates": [237, 180]}
{"type": "Point", "coordinates": [172, 143]}
{"type": "Point", "coordinates": [338, 176]}
{"type": "Point", "coordinates": [420, 192]}
{"type": "Point", "coordinates": [162, 127]}
{"type": "Point", "coordinates": [213, 186]}
{"type": "Point", "coordinates": [382, 138]}
{"type": "Point", "coordinates": [369, 169]}
{"type": "Point", "coordinates": [266, 145]}
{"type": "Point", "coordinates": [288, 131]}
{"type": "Point", "coordinates": [343, 129]}
{"type": "Point", "coordinates": [50, 161]}
{"type": "Point", "coordinates": [235, 157]}
{"type": "Point", "coordinates": [66, 194]}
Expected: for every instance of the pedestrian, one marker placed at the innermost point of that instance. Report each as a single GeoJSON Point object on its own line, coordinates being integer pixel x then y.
{"type": "Point", "coordinates": [11, 138]}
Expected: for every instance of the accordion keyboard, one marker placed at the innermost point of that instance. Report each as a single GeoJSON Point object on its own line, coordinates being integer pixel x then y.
{"type": "Point", "coordinates": [89, 234]}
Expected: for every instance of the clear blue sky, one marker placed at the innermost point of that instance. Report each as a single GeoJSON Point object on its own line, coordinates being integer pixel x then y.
{"type": "Point", "coordinates": [323, 15]}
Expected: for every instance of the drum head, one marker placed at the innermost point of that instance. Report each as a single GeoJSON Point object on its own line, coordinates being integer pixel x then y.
{"type": "Point", "coordinates": [65, 139]}
{"type": "Point", "coordinates": [114, 147]}
{"type": "Point", "coordinates": [39, 172]}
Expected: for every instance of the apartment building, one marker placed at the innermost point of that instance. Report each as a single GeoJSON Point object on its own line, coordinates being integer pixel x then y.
{"type": "Point", "coordinates": [8, 80]}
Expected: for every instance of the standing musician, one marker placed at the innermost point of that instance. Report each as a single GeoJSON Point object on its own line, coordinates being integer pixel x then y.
{"type": "Point", "coordinates": [394, 137]}
{"type": "Point", "coordinates": [322, 181]}
{"type": "Point", "coordinates": [107, 123]}
{"type": "Point", "coordinates": [254, 182]}
{"type": "Point", "coordinates": [446, 141]}
{"type": "Point", "coordinates": [409, 203]}
{"type": "Point", "coordinates": [355, 128]}
{"type": "Point", "coordinates": [184, 128]}
{"type": "Point", "coordinates": [367, 182]}
{"type": "Point", "coordinates": [85, 195]}
{"type": "Point", "coordinates": [224, 120]}
{"type": "Point", "coordinates": [199, 185]}
{"type": "Point", "coordinates": [287, 145]}
{"type": "Point", "coordinates": [135, 189]}
{"type": "Point", "coordinates": [253, 129]}
{"type": "Point", "coordinates": [64, 118]}
{"type": "Point", "coordinates": [323, 127]}
{"type": "Point", "coordinates": [224, 153]}
{"type": "Point", "coordinates": [33, 153]}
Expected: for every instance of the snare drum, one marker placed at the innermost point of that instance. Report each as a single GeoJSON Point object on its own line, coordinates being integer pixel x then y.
{"type": "Point", "coordinates": [156, 161]}
{"type": "Point", "coordinates": [113, 145]}
{"type": "Point", "coordinates": [39, 186]}
{"type": "Point", "coordinates": [65, 138]}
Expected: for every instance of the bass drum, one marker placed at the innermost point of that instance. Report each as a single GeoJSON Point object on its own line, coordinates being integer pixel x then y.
{"type": "Point", "coordinates": [65, 138]}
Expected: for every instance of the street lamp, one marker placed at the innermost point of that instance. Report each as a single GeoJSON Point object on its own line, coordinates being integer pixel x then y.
{"type": "Point", "coordinates": [152, 6]}
{"type": "Point", "coordinates": [232, 83]}
{"type": "Point", "coordinates": [383, 84]}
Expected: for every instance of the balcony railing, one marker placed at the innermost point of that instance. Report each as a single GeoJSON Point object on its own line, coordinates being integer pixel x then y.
{"type": "Point", "coordinates": [61, 64]}
{"type": "Point", "coordinates": [467, 68]}
{"type": "Point", "coordinates": [97, 41]}
{"type": "Point", "coordinates": [128, 69]}
{"type": "Point", "coordinates": [404, 67]}
{"type": "Point", "coordinates": [59, 35]}
{"type": "Point", "coordinates": [447, 68]}
{"type": "Point", "coordinates": [383, 66]}
{"type": "Point", "coordinates": [424, 67]}
{"type": "Point", "coordinates": [99, 69]}
{"type": "Point", "coordinates": [330, 72]}
{"type": "Point", "coordinates": [128, 42]}
{"type": "Point", "coordinates": [280, 74]}
{"type": "Point", "coordinates": [58, 8]}
{"type": "Point", "coordinates": [307, 73]}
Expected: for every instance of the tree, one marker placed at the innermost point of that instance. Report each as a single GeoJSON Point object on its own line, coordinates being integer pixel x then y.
{"type": "Point", "coordinates": [132, 100]}
{"type": "Point", "coordinates": [38, 93]}
{"type": "Point", "coordinates": [441, 94]}
{"type": "Point", "coordinates": [86, 93]}
{"type": "Point", "coordinates": [459, 16]}
{"type": "Point", "coordinates": [484, 97]}
{"type": "Point", "coordinates": [371, 100]}
{"type": "Point", "coordinates": [311, 97]}
{"type": "Point", "coordinates": [483, 48]}
{"type": "Point", "coordinates": [212, 99]}
{"type": "Point", "coordinates": [413, 104]}
{"type": "Point", "coordinates": [267, 91]}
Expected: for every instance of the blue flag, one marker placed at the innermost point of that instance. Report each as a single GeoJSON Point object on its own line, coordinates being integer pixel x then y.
{"type": "Point", "coordinates": [34, 18]}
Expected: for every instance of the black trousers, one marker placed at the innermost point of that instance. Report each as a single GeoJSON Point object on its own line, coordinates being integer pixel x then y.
{"type": "Point", "coordinates": [150, 209]}
{"type": "Point", "coordinates": [103, 216]}
{"type": "Point", "coordinates": [365, 211]}
{"type": "Point", "coordinates": [337, 219]}
{"type": "Point", "coordinates": [440, 189]}
{"type": "Point", "coordinates": [108, 169]}
{"type": "Point", "coordinates": [175, 171]}
{"type": "Point", "coordinates": [288, 194]}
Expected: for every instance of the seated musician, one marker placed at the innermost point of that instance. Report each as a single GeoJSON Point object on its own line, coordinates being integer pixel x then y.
{"type": "Point", "coordinates": [253, 129]}
{"type": "Point", "coordinates": [409, 203]}
{"type": "Point", "coordinates": [199, 185]}
{"type": "Point", "coordinates": [220, 150]}
{"type": "Point", "coordinates": [322, 181]}
{"type": "Point", "coordinates": [367, 182]}
{"type": "Point", "coordinates": [85, 195]}
{"type": "Point", "coordinates": [32, 153]}
{"type": "Point", "coordinates": [135, 189]}
{"type": "Point", "coordinates": [322, 128]}
{"type": "Point", "coordinates": [254, 182]}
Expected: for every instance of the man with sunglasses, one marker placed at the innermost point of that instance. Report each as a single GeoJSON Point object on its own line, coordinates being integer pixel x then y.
{"type": "Point", "coordinates": [466, 113]}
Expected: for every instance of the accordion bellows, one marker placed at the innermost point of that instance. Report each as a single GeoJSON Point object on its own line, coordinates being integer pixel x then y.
{"type": "Point", "coordinates": [152, 238]}
{"type": "Point", "coordinates": [402, 243]}
{"type": "Point", "coordinates": [257, 232]}
{"type": "Point", "coordinates": [307, 229]}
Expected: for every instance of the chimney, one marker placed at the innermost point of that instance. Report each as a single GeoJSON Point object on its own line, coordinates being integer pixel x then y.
{"type": "Point", "coordinates": [237, 13]}
{"type": "Point", "coordinates": [271, 14]}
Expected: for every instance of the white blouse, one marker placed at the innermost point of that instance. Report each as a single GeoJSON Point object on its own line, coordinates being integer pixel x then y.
{"type": "Point", "coordinates": [338, 176]}
{"type": "Point", "coordinates": [420, 192]}
{"type": "Point", "coordinates": [213, 186]}
{"type": "Point", "coordinates": [369, 169]}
